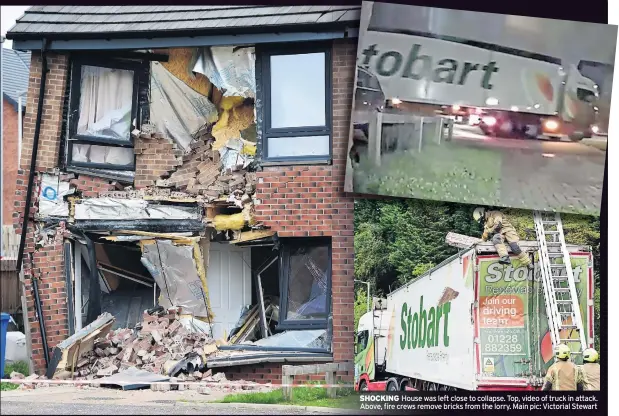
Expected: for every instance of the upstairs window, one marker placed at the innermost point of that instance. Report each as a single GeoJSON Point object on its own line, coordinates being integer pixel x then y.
{"type": "Point", "coordinates": [297, 108]}
{"type": "Point", "coordinates": [102, 114]}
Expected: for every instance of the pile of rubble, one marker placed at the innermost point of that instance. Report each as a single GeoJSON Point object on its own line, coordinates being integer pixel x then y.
{"type": "Point", "coordinates": [160, 344]}
{"type": "Point", "coordinates": [204, 170]}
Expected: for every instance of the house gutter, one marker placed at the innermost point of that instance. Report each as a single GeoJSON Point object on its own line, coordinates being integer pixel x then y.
{"type": "Point", "coordinates": [35, 150]}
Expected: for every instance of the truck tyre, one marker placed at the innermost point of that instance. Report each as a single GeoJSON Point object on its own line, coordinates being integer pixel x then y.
{"type": "Point", "coordinates": [392, 384]}
{"type": "Point", "coordinates": [404, 383]}
{"type": "Point", "coordinates": [577, 137]}
{"type": "Point", "coordinates": [363, 386]}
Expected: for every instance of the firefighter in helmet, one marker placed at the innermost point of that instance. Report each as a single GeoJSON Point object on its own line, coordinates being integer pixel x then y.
{"type": "Point", "coordinates": [591, 368]}
{"type": "Point", "coordinates": [564, 375]}
{"type": "Point", "coordinates": [498, 229]}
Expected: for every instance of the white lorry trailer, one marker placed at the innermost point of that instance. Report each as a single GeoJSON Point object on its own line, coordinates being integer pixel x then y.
{"type": "Point", "coordinates": [514, 76]}
{"type": "Point", "coordinates": [470, 323]}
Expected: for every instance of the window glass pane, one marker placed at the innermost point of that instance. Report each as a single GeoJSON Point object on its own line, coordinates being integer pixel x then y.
{"type": "Point", "coordinates": [105, 102]}
{"type": "Point", "coordinates": [307, 283]}
{"type": "Point", "coordinates": [298, 90]}
{"type": "Point", "coordinates": [311, 338]}
{"type": "Point", "coordinates": [298, 146]}
{"type": "Point", "coordinates": [89, 153]}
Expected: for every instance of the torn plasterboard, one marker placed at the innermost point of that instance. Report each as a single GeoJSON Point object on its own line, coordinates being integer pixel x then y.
{"type": "Point", "coordinates": [51, 197]}
{"type": "Point", "coordinates": [231, 69]}
{"type": "Point", "coordinates": [131, 209]}
{"type": "Point", "coordinates": [176, 271]}
{"type": "Point", "coordinates": [171, 97]}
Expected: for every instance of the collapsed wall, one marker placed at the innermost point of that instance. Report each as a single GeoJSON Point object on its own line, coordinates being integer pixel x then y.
{"type": "Point", "coordinates": [209, 172]}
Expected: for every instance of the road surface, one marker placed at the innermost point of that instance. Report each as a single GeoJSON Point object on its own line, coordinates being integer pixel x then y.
{"type": "Point", "coordinates": [473, 135]}
{"type": "Point", "coordinates": [90, 401]}
{"type": "Point", "coordinates": [555, 174]}
{"type": "Point", "coordinates": [41, 408]}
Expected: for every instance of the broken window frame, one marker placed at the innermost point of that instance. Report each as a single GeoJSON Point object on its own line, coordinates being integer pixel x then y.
{"type": "Point", "coordinates": [284, 279]}
{"type": "Point", "coordinates": [73, 137]}
{"type": "Point", "coordinates": [295, 132]}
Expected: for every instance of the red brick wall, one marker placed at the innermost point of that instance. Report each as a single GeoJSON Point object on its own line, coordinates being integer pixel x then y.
{"type": "Point", "coordinates": [310, 201]}
{"type": "Point", "coordinates": [9, 158]}
{"type": "Point", "coordinates": [295, 201]}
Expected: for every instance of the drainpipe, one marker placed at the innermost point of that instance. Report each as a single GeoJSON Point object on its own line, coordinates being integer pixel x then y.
{"type": "Point", "coordinates": [20, 125]}
{"type": "Point", "coordinates": [2, 39]}
{"type": "Point", "coordinates": [35, 149]}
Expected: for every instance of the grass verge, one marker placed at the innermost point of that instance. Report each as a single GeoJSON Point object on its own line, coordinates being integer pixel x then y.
{"type": "Point", "coordinates": [18, 366]}
{"type": "Point", "coordinates": [301, 396]}
{"type": "Point", "coordinates": [447, 171]}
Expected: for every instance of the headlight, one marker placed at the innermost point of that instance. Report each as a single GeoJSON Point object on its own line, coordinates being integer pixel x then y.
{"type": "Point", "coordinates": [455, 107]}
{"type": "Point", "coordinates": [489, 121]}
{"type": "Point", "coordinates": [396, 101]}
{"type": "Point", "coordinates": [551, 125]}
{"type": "Point", "coordinates": [595, 129]}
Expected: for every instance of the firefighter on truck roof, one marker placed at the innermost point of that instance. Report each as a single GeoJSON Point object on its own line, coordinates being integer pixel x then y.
{"type": "Point", "coordinates": [498, 229]}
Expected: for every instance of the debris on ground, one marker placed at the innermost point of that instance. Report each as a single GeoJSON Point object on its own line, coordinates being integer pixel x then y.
{"type": "Point", "coordinates": [157, 342]}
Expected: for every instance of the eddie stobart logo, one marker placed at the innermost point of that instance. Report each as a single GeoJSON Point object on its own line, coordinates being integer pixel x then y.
{"type": "Point", "coordinates": [498, 272]}
{"type": "Point", "coordinates": [508, 274]}
{"type": "Point", "coordinates": [422, 328]}
{"type": "Point", "coordinates": [417, 66]}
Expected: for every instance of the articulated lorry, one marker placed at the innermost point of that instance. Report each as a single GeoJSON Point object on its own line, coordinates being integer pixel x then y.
{"type": "Point", "coordinates": [470, 323]}
{"type": "Point", "coordinates": [513, 76]}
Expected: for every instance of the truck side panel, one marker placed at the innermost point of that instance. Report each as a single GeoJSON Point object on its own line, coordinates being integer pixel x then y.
{"type": "Point", "coordinates": [431, 333]}
{"type": "Point", "coordinates": [512, 324]}
{"type": "Point", "coordinates": [438, 71]}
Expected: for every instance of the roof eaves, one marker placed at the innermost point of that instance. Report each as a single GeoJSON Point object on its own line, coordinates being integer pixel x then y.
{"type": "Point", "coordinates": [314, 26]}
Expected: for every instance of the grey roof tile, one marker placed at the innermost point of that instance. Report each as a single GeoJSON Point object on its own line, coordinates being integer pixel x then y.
{"type": "Point", "coordinates": [15, 68]}
{"type": "Point", "coordinates": [49, 20]}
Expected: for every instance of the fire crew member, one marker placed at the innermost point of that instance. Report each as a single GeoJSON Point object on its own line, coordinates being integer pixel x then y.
{"type": "Point", "coordinates": [564, 375]}
{"type": "Point", "coordinates": [591, 368]}
{"type": "Point", "coordinates": [498, 229]}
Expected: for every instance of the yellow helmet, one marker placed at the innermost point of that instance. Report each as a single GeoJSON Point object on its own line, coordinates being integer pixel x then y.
{"type": "Point", "coordinates": [478, 213]}
{"type": "Point", "coordinates": [562, 352]}
{"type": "Point", "coordinates": [590, 355]}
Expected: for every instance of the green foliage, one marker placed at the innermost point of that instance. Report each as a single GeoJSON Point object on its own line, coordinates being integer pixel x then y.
{"type": "Point", "coordinates": [4, 386]}
{"type": "Point", "coordinates": [18, 366]}
{"type": "Point", "coordinates": [399, 240]}
{"type": "Point", "coordinates": [301, 396]}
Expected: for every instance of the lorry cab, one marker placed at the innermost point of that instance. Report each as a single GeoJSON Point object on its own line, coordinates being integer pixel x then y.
{"type": "Point", "coordinates": [371, 347]}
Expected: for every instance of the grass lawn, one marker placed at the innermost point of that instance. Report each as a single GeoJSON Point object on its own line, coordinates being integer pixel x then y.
{"type": "Point", "coordinates": [447, 171]}
{"type": "Point", "coordinates": [301, 396]}
{"type": "Point", "coordinates": [20, 367]}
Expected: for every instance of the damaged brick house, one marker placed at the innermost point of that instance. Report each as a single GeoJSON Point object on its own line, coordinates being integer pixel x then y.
{"type": "Point", "coordinates": [190, 157]}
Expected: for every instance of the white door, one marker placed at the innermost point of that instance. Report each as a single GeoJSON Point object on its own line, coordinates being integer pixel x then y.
{"type": "Point", "coordinates": [229, 285]}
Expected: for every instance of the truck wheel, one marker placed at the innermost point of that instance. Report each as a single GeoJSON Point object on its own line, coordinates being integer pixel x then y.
{"type": "Point", "coordinates": [577, 137]}
{"type": "Point", "coordinates": [363, 386]}
{"type": "Point", "coordinates": [404, 384]}
{"type": "Point", "coordinates": [392, 385]}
